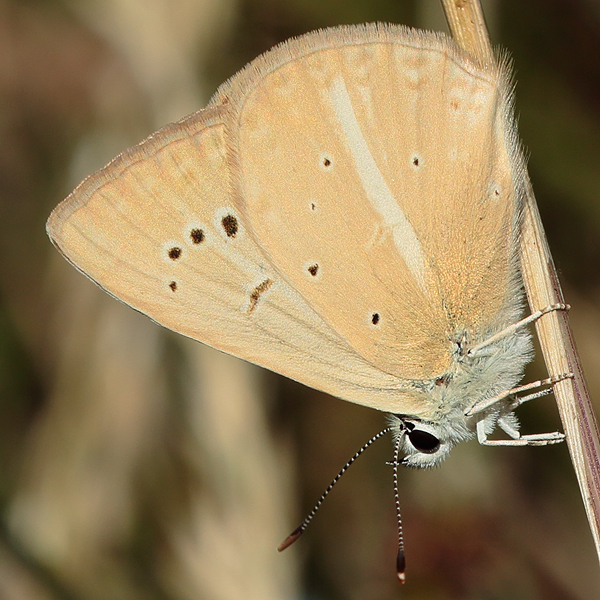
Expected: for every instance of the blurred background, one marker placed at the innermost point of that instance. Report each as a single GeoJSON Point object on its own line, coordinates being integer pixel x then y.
{"type": "Point", "coordinates": [136, 465]}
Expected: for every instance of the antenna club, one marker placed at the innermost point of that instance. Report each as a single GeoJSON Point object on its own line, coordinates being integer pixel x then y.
{"type": "Point", "coordinates": [290, 539]}
{"type": "Point", "coordinates": [401, 567]}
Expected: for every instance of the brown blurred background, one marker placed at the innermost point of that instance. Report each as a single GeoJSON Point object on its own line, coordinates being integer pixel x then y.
{"type": "Point", "coordinates": [135, 465]}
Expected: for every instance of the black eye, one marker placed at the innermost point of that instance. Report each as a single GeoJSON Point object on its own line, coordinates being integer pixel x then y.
{"type": "Point", "coordinates": [423, 441]}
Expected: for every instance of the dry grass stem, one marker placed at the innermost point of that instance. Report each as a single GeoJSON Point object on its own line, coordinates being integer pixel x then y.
{"type": "Point", "coordinates": [465, 18]}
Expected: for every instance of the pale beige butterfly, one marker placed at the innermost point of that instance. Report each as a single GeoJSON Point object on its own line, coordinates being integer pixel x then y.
{"type": "Point", "coordinates": [345, 212]}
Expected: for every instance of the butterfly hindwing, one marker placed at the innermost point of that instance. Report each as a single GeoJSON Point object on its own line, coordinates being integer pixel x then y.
{"type": "Point", "coordinates": [377, 171]}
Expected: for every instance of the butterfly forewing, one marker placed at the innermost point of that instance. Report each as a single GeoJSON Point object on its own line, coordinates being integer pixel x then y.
{"type": "Point", "coordinates": [375, 170]}
{"type": "Point", "coordinates": [158, 229]}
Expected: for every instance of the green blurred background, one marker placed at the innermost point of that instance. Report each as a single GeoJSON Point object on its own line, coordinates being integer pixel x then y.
{"type": "Point", "coordinates": [138, 465]}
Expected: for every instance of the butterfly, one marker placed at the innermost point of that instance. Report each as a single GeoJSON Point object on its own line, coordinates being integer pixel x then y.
{"type": "Point", "coordinates": [346, 212]}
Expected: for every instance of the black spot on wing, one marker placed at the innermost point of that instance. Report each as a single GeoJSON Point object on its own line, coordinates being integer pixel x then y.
{"type": "Point", "coordinates": [197, 236]}
{"type": "Point", "coordinates": [175, 253]}
{"type": "Point", "coordinates": [230, 225]}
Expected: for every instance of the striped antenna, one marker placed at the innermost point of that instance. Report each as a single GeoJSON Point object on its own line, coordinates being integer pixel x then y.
{"type": "Point", "coordinates": [400, 560]}
{"type": "Point", "coordinates": [302, 528]}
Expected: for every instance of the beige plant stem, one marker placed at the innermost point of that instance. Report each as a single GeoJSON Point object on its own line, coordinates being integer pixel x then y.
{"type": "Point", "coordinates": [467, 25]}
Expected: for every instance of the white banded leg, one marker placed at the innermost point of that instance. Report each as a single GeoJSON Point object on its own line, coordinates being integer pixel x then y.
{"type": "Point", "coordinates": [516, 439]}
{"type": "Point", "coordinates": [519, 325]}
{"type": "Point", "coordinates": [506, 419]}
{"type": "Point", "coordinates": [489, 402]}
{"type": "Point", "coordinates": [507, 422]}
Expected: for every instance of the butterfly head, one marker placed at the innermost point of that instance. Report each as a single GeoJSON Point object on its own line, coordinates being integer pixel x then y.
{"type": "Point", "coordinates": [426, 443]}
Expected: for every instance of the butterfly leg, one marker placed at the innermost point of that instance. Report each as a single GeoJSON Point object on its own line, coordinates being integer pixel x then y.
{"type": "Point", "coordinates": [507, 424]}
{"type": "Point", "coordinates": [519, 325]}
{"type": "Point", "coordinates": [507, 421]}
{"type": "Point", "coordinates": [488, 402]}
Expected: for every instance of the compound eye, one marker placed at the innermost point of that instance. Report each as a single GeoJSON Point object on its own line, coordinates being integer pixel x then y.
{"type": "Point", "coordinates": [423, 441]}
